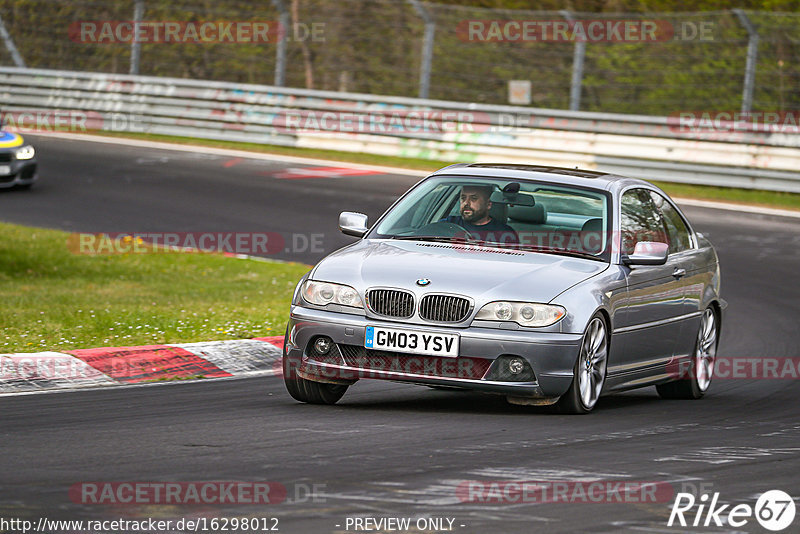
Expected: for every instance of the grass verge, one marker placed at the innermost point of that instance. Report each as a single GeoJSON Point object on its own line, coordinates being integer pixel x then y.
{"type": "Point", "coordinates": [755, 197]}
{"type": "Point", "coordinates": [52, 299]}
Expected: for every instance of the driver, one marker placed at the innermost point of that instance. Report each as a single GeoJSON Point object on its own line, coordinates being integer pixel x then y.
{"type": "Point", "coordinates": [474, 216]}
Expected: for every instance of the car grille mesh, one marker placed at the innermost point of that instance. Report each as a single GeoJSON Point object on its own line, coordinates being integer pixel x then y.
{"type": "Point", "coordinates": [391, 302]}
{"type": "Point", "coordinates": [434, 366]}
{"type": "Point", "coordinates": [444, 308]}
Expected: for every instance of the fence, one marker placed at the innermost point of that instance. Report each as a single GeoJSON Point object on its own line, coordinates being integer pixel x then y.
{"type": "Point", "coordinates": [719, 60]}
{"type": "Point", "coordinates": [654, 148]}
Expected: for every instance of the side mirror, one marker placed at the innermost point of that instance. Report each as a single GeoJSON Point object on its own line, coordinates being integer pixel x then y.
{"type": "Point", "coordinates": [647, 253]}
{"type": "Point", "coordinates": [354, 224]}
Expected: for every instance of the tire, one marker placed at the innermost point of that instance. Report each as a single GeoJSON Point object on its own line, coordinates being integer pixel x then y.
{"type": "Point", "coordinates": [314, 392]}
{"type": "Point", "coordinates": [589, 375]}
{"type": "Point", "coordinates": [701, 370]}
{"type": "Point", "coordinates": [305, 390]}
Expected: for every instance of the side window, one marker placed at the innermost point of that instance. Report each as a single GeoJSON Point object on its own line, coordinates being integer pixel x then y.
{"type": "Point", "coordinates": [641, 220]}
{"type": "Point", "coordinates": [679, 238]}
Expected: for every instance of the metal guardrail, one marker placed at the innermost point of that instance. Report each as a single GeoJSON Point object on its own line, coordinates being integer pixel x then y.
{"type": "Point", "coordinates": [642, 146]}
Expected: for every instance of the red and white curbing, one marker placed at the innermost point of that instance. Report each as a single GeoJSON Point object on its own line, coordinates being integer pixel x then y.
{"type": "Point", "coordinates": [82, 368]}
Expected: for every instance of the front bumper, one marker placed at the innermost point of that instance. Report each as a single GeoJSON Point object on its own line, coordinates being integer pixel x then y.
{"type": "Point", "coordinates": [19, 172]}
{"type": "Point", "coordinates": [551, 355]}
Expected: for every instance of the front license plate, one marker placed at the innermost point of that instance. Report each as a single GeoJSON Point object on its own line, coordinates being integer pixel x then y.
{"type": "Point", "coordinates": [398, 340]}
{"type": "Point", "coordinates": [5, 170]}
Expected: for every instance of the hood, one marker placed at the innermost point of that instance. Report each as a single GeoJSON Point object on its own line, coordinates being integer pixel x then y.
{"type": "Point", "coordinates": [484, 274]}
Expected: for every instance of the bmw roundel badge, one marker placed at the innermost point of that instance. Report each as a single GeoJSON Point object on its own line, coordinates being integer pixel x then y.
{"type": "Point", "coordinates": [423, 282]}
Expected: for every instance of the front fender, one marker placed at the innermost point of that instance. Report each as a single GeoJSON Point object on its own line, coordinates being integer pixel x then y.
{"type": "Point", "coordinates": [296, 295]}
{"type": "Point", "coordinates": [605, 291]}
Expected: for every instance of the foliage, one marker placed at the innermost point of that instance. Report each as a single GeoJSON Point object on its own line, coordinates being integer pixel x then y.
{"type": "Point", "coordinates": [375, 46]}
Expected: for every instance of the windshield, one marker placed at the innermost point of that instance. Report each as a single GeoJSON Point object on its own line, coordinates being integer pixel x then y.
{"type": "Point", "coordinates": [503, 213]}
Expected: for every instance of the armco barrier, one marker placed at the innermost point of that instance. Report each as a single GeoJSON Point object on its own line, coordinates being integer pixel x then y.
{"type": "Point", "coordinates": [641, 146]}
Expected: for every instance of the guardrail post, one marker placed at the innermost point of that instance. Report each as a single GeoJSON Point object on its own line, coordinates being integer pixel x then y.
{"type": "Point", "coordinates": [12, 49]}
{"type": "Point", "coordinates": [578, 56]}
{"type": "Point", "coordinates": [427, 48]}
{"type": "Point", "coordinates": [136, 46]}
{"type": "Point", "coordinates": [752, 58]}
{"type": "Point", "coordinates": [280, 51]}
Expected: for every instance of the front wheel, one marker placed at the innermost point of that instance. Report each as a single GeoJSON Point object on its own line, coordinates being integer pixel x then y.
{"type": "Point", "coordinates": [702, 367]}
{"type": "Point", "coordinates": [314, 392]}
{"type": "Point", "coordinates": [305, 390]}
{"type": "Point", "coordinates": [590, 370]}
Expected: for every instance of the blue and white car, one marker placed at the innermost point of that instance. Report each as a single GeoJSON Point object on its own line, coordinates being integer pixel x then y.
{"type": "Point", "coordinates": [17, 161]}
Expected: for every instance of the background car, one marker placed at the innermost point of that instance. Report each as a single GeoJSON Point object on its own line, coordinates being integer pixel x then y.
{"type": "Point", "coordinates": [604, 286]}
{"type": "Point", "coordinates": [17, 161]}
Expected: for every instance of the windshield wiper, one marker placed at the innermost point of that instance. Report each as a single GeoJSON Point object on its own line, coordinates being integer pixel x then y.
{"type": "Point", "coordinates": [560, 251]}
{"type": "Point", "coordinates": [436, 238]}
{"type": "Point", "coordinates": [459, 241]}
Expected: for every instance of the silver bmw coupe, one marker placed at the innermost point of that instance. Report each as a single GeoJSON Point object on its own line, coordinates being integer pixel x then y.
{"type": "Point", "coordinates": [544, 284]}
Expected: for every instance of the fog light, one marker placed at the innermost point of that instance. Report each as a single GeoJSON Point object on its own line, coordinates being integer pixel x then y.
{"type": "Point", "coordinates": [511, 368]}
{"type": "Point", "coordinates": [515, 366]}
{"type": "Point", "coordinates": [322, 345]}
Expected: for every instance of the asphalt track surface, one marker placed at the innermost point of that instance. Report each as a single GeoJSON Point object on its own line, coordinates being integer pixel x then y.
{"type": "Point", "coordinates": [386, 450]}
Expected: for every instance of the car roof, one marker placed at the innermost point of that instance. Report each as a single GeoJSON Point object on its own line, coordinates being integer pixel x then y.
{"type": "Point", "coordinates": [562, 175]}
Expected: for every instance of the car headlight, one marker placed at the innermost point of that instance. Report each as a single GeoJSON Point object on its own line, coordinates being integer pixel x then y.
{"type": "Point", "coordinates": [522, 313]}
{"type": "Point", "coordinates": [25, 152]}
{"type": "Point", "coordinates": [323, 293]}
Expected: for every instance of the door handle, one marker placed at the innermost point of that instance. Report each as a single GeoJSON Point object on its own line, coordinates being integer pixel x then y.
{"type": "Point", "coordinates": [678, 273]}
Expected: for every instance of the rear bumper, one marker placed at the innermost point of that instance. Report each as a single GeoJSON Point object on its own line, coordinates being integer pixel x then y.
{"type": "Point", "coordinates": [551, 355]}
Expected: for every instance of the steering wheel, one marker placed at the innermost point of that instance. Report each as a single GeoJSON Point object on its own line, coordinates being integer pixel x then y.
{"type": "Point", "coordinates": [442, 229]}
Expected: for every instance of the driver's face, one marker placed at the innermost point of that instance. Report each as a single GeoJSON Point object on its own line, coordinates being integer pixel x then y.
{"type": "Point", "coordinates": [475, 205]}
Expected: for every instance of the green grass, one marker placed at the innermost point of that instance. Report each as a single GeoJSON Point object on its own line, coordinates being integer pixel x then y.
{"type": "Point", "coordinates": [53, 299]}
{"type": "Point", "coordinates": [772, 199]}
{"type": "Point", "coordinates": [754, 197]}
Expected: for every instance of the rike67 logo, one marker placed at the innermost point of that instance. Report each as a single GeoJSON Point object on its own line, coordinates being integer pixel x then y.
{"type": "Point", "coordinates": [774, 510]}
